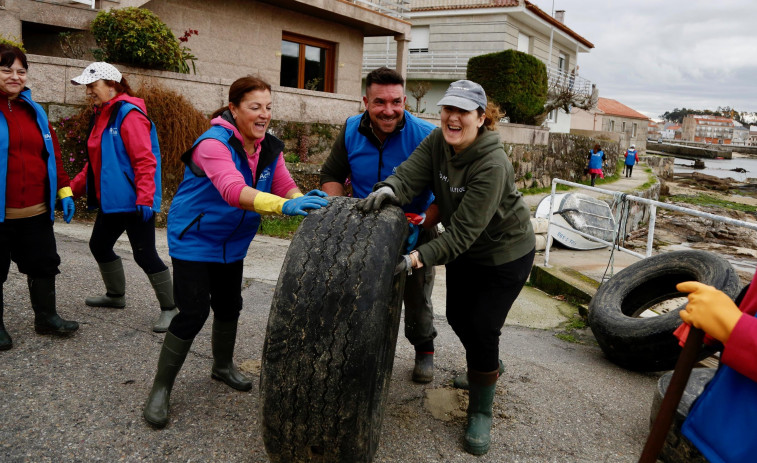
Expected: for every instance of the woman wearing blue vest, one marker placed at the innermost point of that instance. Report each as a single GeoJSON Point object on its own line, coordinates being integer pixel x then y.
{"type": "Point", "coordinates": [31, 176]}
{"type": "Point", "coordinates": [122, 180]}
{"type": "Point", "coordinates": [235, 172]}
{"type": "Point", "coordinates": [596, 161]}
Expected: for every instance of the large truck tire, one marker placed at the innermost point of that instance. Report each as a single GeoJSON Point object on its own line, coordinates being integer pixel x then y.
{"type": "Point", "coordinates": [648, 344]}
{"type": "Point", "coordinates": [331, 335]}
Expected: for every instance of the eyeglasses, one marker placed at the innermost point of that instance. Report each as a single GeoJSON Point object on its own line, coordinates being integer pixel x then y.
{"type": "Point", "coordinates": [7, 72]}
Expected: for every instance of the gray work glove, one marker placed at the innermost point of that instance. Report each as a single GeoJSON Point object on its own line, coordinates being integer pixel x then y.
{"type": "Point", "coordinates": [404, 265]}
{"type": "Point", "coordinates": [376, 199]}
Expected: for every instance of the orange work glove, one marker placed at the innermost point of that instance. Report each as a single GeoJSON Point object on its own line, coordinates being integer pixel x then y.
{"type": "Point", "coordinates": [709, 309]}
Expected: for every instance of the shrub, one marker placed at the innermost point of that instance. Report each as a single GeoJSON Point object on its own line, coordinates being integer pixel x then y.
{"type": "Point", "coordinates": [514, 80]}
{"type": "Point", "coordinates": [14, 42]}
{"type": "Point", "coordinates": [178, 125]}
{"type": "Point", "coordinates": [137, 37]}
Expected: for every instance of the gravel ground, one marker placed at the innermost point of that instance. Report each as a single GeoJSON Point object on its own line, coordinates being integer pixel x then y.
{"type": "Point", "coordinates": [80, 398]}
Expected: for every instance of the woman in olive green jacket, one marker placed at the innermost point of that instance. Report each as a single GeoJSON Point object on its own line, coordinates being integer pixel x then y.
{"type": "Point", "coordinates": [487, 245]}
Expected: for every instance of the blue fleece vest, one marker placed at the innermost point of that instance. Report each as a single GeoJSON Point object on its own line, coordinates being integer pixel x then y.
{"type": "Point", "coordinates": [371, 164]}
{"type": "Point", "coordinates": [52, 172]}
{"type": "Point", "coordinates": [202, 226]}
{"type": "Point", "coordinates": [722, 420]}
{"type": "Point", "coordinates": [595, 162]}
{"type": "Point", "coordinates": [118, 191]}
{"type": "Point", "coordinates": [631, 157]}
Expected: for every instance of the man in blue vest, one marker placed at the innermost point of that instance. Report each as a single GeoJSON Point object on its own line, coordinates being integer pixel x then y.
{"type": "Point", "coordinates": [367, 150]}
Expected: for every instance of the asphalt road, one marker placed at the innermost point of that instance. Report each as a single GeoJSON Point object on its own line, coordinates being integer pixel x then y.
{"type": "Point", "coordinates": [79, 399]}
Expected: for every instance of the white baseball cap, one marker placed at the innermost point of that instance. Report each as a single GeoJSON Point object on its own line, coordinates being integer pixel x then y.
{"type": "Point", "coordinates": [97, 71]}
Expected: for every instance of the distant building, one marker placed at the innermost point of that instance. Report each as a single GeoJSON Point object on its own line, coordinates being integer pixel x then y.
{"type": "Point", "coordinates": [740, 134]}
{"type": "Point", "coordinates": [654, 130]}
{"type": "Point", "coordinates": [613, 118]}
{"type": "Point", "coordinates": [671, 131]}
{"type": "Point", "coordinates": [446, 33]}
{"type": "Point", "coordinates": [707, 129]}
{"type": "Point", "coordinates": [753, 135]}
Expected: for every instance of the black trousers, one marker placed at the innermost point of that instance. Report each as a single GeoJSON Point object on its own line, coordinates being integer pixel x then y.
{"type": "Point", "coordinates": [30, 243]}
{"type": "Point", "coordinates": [109, 227]}
{"type": "Point", "coordinates": [479, 298]}
{"type": "Point", "coordinates": [200, 286]}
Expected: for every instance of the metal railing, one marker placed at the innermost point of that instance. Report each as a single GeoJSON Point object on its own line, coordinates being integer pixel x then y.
{"type": "Point", "coordinates": [423, 4]}
{"type": "Point", "coordinates": [91, 3]}
{"type": "Point", "coordinates": [653, 205]}
{"type": "Point", "coordinates": [395, 8]}
{"type": "Point", "coordinates": [561, 80]}
{"type": "Point", "coordinates": [426, 62]}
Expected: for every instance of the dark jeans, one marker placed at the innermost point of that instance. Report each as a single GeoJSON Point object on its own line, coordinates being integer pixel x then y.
{"type": "Point", "coordinates": [419, 313]}
{"type": "Point", "coordinates": [109, 227]}
{"type": "Point", "coordinates": [30, 243]}
{"type": "Point", "coordinates": [629, 170]}
{"type": "Point", "coordinates": [478, 300]}
{"type": "Point", "coordinates": [198, 286]}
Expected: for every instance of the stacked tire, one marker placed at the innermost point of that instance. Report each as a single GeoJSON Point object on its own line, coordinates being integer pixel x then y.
{"type": "Point", "coordinates": [331, 335]}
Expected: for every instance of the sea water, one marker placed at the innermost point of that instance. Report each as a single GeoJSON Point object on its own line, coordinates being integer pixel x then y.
{"type": "Point", "coordinates": [721, 168]}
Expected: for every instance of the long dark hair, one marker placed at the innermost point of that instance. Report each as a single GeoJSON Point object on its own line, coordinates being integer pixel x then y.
{"type": "Point", "coordinates": [9, 54]}
{"type": "Point", "coordinates": [120, 87]}
{"type": "Point", "coordinates": [239, 89]}
{"type": "Point", "coordinates": [597, 149]}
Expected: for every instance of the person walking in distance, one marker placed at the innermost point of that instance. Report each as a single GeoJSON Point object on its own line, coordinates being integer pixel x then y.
{"type": "Point", "coordinates": [367, 150]}
{"type": "Point", "coordinates": [632, 157]}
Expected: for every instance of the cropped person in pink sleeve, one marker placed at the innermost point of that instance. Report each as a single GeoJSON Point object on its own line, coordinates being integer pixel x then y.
{"type": "Point", "coordinates": [122, 181]}
{"type": "Point", "coordinates": [721, 421]}
{"type": "Point", "coordinates": [234, 173]}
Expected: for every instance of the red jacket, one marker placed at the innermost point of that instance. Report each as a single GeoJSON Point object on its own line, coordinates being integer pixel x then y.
{"type": "Point", "coordinates": [135, 133]}
{"type": "Point", "coordinates": [740, 351]}
{"type": "Point", "coordinates": [27, 167]}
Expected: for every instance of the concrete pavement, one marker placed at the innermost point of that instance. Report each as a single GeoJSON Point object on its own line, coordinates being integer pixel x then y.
{"type": "Point", "coordinates": [80, 398]}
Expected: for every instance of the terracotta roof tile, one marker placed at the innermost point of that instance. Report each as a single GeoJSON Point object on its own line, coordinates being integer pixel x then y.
{"type": "Point", "coordinates": [617, 108]}
{"type": "Point", "coordinates": [462, 5]}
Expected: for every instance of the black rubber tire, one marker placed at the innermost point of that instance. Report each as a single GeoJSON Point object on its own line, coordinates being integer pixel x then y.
{"type": "Point", "coordinates": [677, 448]}
{"type": "Point", "coordinates": [648, 344]}
{"type": "Point", "coordinates": [332, 331]}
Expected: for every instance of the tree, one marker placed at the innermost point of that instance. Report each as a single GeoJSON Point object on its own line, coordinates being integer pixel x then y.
{"type": "Point", "coordinates": [418, 90]}
{"type": "Point", "coordinates": [514, 80]}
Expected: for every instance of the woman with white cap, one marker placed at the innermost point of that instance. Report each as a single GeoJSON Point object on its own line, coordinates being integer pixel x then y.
{"type": "Point", "coordinates": [31, 177]}
{"type": "Point", "coordinates": [122, 180]}
{"type": "Point", "coordinates": [487, 245]}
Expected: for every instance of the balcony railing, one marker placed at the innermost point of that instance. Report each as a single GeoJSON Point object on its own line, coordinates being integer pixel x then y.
{"type": "Point", "coordinates": [561, 80]}
{"type": "Point", "coordinates": [395, 8]}
{"type": "Point", "coordinates": [454, 63]}
{"type": "Point", "coordinates": [423, 4]}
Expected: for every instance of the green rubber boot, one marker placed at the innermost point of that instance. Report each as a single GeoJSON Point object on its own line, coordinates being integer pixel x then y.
{"type": "Point", "coordinates": [461, 381]}
{"type": "Point", "coordinates": [163, 286]}
{"type": "Point", "coordinates": [478, 433]}
{"type": "Point", "coordinates": [223, 339]}
{"type": "Point", "coordinates": [46, 318]}
{"type": "Point", "coordinates": [5, 339]}
{"type": "Point", "coordinates": [172, 356]}
{"type": "Point", "coordinates": [115, 286]}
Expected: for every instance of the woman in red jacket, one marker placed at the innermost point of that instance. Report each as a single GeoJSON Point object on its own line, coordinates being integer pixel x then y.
{"type": "Point", "coordinates": [31, 176]}
{"type": "Point", "coordinates": [122, 180]}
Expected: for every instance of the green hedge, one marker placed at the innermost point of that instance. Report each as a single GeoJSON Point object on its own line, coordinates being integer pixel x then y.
{"type": "Point", "coordinates": [514, 80]}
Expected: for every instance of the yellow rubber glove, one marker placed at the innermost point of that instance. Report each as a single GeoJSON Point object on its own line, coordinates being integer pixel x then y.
{"type": "Point", "coordinates": [266, 203]}
{"type": "Point", "coordinates": [297, 195]}
{"type": "Point", "coordinates": [65, 192]}
{"type": "Point", "coordinates": [709, 309]}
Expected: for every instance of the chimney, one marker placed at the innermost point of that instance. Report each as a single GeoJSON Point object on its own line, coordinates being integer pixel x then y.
{"type": "Point", "coordinates": [560, 16]}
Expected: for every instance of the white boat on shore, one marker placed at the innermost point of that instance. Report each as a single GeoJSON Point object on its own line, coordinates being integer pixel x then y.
{"type": "Point", "coordinates": [575, 211]}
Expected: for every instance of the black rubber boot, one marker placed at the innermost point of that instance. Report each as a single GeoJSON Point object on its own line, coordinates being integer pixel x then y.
{"type": "Point", "coordinates": [478, 432]}
{"type": "Point", "coordinates": [172, 356]}
{"type": "Point", "coordinates": [223, 339]}
{"type": "Point", "coordinates": [5, 339]}
{"type": "Point", "coordinates": [163, 286]}
{"type": "Point", "coordinates": [423, 372]}
{"type": "Point", "coordinates": [46, 318]}
{"type": "Point", "coordinates": [461, 381]}
{"type": "Point", "coordinates": [115, 286]}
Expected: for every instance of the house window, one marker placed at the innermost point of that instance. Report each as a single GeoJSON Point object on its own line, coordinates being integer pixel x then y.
{"type": "Point", "coordinates": [633, 133]}
{"type": "Point", "coordinates": [561, 61]}
{"type": "Point", "coordinates": [552, 117]}
{"type": "Point", "coordinates": [612, 126]}
{"type": "Point", "coordinates": [307, 63]}
{"type": "Point", "coordinates": [524, 42]}
{"type": "Point", "coordinates": [623, 126]}
{"type": "Point", "coordinates": [419, 40]}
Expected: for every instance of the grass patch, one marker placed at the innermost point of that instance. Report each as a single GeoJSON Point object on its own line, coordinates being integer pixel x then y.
{"type": "Point", "coordinates": [575, 324]}
{"type": "Point", "coordinates": [546, 189]}
{"type": "Point", "coordinates": [279, 226]}
{"type": "Point", "coordinates": [702, 199]}
{"type": "Point", "coordinates": [567, 337]}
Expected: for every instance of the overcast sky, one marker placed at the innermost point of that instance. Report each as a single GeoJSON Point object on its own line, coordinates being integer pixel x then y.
{"type": "Point", "coordinates": [655, 56]}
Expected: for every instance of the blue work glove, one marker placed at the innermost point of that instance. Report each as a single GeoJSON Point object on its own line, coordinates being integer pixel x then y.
{"type": "Point", "coordinates": [412, 237]}
{"type": "Point", "coordinates": [67, 204]}
{"type": "Point", "coordinates": [297, 206]}
{"type": "Point", "coordinates": [320, 193]}
{"type": "Point", "coordinates": [376, 199]}
{"type": "Point", "coordinates": [145, 212]}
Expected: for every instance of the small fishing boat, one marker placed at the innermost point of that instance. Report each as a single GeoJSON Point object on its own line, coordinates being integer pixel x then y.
{"type": "Point", "coordinates": [575, 211]}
